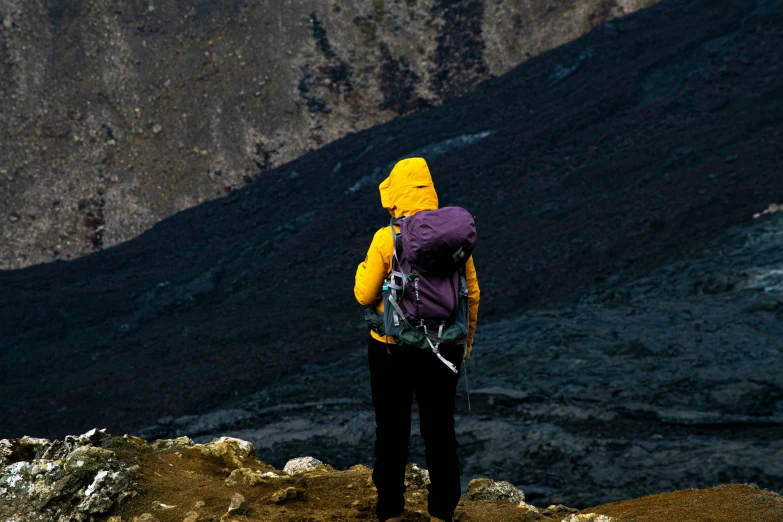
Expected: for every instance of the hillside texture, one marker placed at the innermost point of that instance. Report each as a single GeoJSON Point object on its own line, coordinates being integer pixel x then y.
{"type": "Point", "coordinates": [641, 386]}
{"type": "Point", "coordinates": [117, 114]}
{"type": "Point", "coordinates": [615, 152]}
{"type": "Point", "coordinates": [627, 150]}
{"type": "Point", "coordinates": [122, 479]}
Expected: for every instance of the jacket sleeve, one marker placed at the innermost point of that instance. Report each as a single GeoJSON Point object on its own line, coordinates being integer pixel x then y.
{"type": "Point", "coordinates": [474, 293]}
{"type": "Point", "coordinates": [373, 270]}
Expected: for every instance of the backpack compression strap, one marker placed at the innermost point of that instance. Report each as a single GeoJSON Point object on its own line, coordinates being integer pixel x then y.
{"type": "Point", "coordinates": [393, 286]}
{"type": "Point", "coordinates": [435, 345]}
{"type": "Point", "coordinates": [438, 339]}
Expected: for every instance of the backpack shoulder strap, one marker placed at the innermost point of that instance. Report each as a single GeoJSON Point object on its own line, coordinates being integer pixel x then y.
{"type": "Point", "coordinates": [396, 237]}
{"type": "Point", "coordinates": [396, 268]}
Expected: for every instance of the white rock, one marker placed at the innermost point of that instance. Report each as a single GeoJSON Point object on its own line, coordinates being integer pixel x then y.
{"type": "Point", "coordinates": [237, 505]}
{"type": "Point", "coordinates": [589, 517]}
{"type": "Point", "coordinates": [92, 438]}
{"type": "Point", "coordinates": [301, 464]}
{"type": "Point", "coordinates": [96, 483]}
{"type": "Point", "coordinates": [16, 473]}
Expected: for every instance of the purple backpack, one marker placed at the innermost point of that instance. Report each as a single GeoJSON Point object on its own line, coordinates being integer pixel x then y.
{"type": "Point", "coordinates": [426, 299]}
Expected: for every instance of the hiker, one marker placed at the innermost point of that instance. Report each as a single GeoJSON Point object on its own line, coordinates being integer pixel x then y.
{"type": "Point", "coordinates": [397, 371]}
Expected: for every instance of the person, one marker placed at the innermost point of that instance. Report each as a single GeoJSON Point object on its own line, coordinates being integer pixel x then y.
{"type": "Point", "coordinates": [398, 372]}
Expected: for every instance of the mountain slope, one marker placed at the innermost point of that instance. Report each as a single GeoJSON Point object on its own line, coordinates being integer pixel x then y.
{"type": "Point", "coordinates": [614, 152]}
{"type": "Point", "coordinates": [115, 114]}
{"type": "Point", "coordinates": [640, 386]}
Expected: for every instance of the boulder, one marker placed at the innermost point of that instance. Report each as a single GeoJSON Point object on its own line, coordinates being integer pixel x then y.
{"type": "Point", "coordinates": [238, 505]}
{"type": "Point", "coordinates": [487, 489]}
{"type": "Point", "coordinates": [416, 476]}
{"type": "Point", "coordinates": [234, 452]}
{"type": "Point", "coordinates": [301, 464]}
{"type": "Point", "coordinates": [248, 477]}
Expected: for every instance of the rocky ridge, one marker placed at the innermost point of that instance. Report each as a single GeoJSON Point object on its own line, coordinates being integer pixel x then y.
{"type": "Point", "coordinates": [115, 115]}
{"type": "Point", "coordinates": [96, 477]}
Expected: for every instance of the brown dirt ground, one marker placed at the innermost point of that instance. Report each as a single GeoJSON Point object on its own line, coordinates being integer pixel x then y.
{"type": "Point", "coordinates": [728, 503]}
{"type": "Point", "coordinates": [184, 478]}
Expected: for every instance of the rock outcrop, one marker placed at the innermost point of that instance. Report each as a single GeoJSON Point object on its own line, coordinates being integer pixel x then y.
{"type": "Point", "coordinates": [487, 489]}
{"type": "Point", "coordinates": [98, 477]}
{"type": "Point", "coordinates": [301, 464]}
{"type": "Point", "coordinates": [117, 114]}
{"type": "Point", "coordinates": [74, 479]}
{"type": "Point", "coordinates": [95, 475]}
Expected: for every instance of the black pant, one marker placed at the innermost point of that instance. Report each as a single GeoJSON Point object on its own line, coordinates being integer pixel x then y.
{"type": "Point", "coordinates": [394, 377]}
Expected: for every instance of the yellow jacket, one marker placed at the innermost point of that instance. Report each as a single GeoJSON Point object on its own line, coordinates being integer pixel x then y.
{"type": "Point", "coordinates": [407, 190]}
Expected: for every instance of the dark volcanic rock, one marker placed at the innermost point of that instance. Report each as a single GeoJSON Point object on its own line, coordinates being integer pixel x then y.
{"type": "Point", "coordinates": [608, 154]}
{"type": "Point", "coordinates": [599, 400]}
{"type": "Point", "coordinates": [117, 114]}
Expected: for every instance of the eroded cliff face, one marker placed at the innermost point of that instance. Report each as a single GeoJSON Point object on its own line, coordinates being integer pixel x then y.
{"type": "Point", "coordinates": [114, 115]}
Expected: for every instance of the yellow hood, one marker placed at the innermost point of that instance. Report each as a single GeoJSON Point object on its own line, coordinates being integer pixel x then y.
{"type": "Point", "coordinates": [409, 188]}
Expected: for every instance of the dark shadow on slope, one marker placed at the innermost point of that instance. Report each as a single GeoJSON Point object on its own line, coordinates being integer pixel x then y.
{"type": "Point", "coordinates": [612, 153]}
